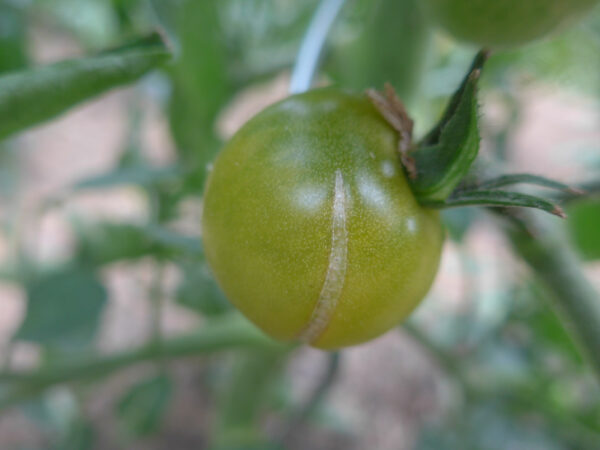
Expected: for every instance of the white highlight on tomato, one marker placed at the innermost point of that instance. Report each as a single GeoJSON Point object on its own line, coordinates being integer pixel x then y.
{"type": "Point", "coordinates": [310, 198]}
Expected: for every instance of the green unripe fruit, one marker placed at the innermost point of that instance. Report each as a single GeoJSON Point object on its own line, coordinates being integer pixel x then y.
{"type": "Point", "coordinates": [310, 225]}
{"type": "Point", "coordinates": [505, 23]}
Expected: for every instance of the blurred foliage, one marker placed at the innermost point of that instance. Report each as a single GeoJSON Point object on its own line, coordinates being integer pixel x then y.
{"type": "Point", "coordinates": [196, 277]}
{"type": "Point", "coordinates": [201, 84]}
{"type": "Point", "coordinates": [13, 52]}
{"type": "Point", "coordinates": [389, 44]}
{"type": "Point", "coordinates": [458, 222]}
{"type": "Point", "coordinates": [142, 408]}
{"type": "Point", "coordinates": [584, 223]}
{"type": "Point", "coordinates": [105, 243]}
{"type": "Point", "coordinates": [570, 59]}
{"type": "Point", "coordinates": [73, 289]}
{"type": "Point", "coordinates": [522, 383]}
{"type": "Point", "coordinates": [518, 381]}
{"type": "Point", "coordinates": [59, 414]}
{"type": "Point", "coordinates": [32, 96]}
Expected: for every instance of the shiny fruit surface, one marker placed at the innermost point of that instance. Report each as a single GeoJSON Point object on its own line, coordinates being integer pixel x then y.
{"type": "Point", "coordinates": [310, 226]}
{"type": "Point", "coordinates": [505, 23]}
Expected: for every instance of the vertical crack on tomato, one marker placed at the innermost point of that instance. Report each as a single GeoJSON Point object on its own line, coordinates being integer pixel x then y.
{"type": "Point", "coordinates": [335, 277]}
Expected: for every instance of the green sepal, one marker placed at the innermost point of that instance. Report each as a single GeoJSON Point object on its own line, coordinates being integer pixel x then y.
{"type": "Point", "coordinates": [527, 178]}
{"type": "Point", "coordinates": [444, 157]}
{"type": "Point", "coordinates": [496, 198]}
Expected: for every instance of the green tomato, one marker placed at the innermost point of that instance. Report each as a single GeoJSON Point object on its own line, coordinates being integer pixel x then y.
{"type": "Point", "coordinates": [505, 23]}
{"type": "Point", "coordinates": [310, 225]}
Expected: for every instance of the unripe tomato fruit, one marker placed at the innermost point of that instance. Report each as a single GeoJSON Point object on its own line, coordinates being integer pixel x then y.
{"type": "Point", "coordinates": [310, 226]}
{"type": "Point", "coordinates": [505, 23]}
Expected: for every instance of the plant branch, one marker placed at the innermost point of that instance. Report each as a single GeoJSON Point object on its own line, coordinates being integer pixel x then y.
{"type": "Point", "coordinates": [449, 365]}
{"type": "Point", "coordinates": [316, 398]}
{"type": "Point", "coordinates": [156, 297]}
{"type": "Point", "coordinates": [555, 264]}
{"type": "Point", "coordinates": [238, 422]}
{"type": "Point", "coordinates": [230, 332]}
{"type": "Point", "coordinates": [476, 390]}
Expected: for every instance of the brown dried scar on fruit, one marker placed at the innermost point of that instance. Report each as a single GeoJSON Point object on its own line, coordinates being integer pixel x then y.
{"type": "Point", "coordinates": [394, 112]}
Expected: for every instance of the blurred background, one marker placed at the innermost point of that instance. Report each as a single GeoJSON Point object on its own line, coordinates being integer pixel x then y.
{"type": "Point", "coordinates": [100, 250]}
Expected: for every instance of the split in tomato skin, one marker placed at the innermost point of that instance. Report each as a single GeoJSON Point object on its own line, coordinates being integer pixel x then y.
{"type": "Point", "coordinates": [310, 226]}
{"type": "Point", "coordinates": [505, 23]}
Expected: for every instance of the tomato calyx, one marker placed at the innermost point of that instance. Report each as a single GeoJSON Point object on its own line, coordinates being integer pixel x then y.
{"type": "Point", "coordinates": [439, 165]}
{"type": "Point", "coordinates": [393, 110]}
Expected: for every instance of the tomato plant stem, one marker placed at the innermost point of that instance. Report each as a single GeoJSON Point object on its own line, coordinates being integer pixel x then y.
{"type": "Point", "coordinates": [253, 374]}
{"type": "Point", "coordinates": [316, 398]}
{"type": "Point", "coordinates": [230, 332]}
{"type": "Point", "coordinates": [557, 267]}
{"type": "Point", "coordinates": [475, 390]}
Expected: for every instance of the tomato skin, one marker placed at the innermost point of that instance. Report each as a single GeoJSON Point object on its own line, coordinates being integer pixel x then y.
{"type": "Point", "coordinates": [310, 193]}
{"type": "Point", "coordinates": [505, 23]}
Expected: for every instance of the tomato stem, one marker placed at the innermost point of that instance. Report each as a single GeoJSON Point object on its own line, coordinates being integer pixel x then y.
{"type": "Point", "coordinates": [317, 396]}
{"type": "Point", "coordinates": [227, 333]}
{"type": "Point", "coordinates": [555, 264]}
{"type": "Point", "coordinates": [252, 375]}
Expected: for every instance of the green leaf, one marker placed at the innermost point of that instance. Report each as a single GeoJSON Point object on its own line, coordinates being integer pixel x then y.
{"type": "Point", "coordinates": [106, 243]}
{"type": "Point", "coordinates": [200, 292]}
{"type": "Point", "coordinates": [63, 309]}
{"type": "Point", "coordinates": [140, 175]}
{"type": "Point", "coordinates": [446, 154]}
{"type": "Point", "coordinates": [32, 96]}
{"type": "Point", "coordinates": [497, 199]}
{"type": "Point", "coordinates": [544, 322]}
{"type": "Point", "coordinates": [12, 38]}
{"type": "Point", "coordinates": [584, 227]}
{"type": "Point", "coordinates": [173, 242]}
{"type": "Point", "coordinates": [143, 407]}
{"type": "Point", "coordinates": [79, 437]}
{"type": "Point", "coordinates": [458, 222]}
{"type": "Point", "coordinates": [201, 82]}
